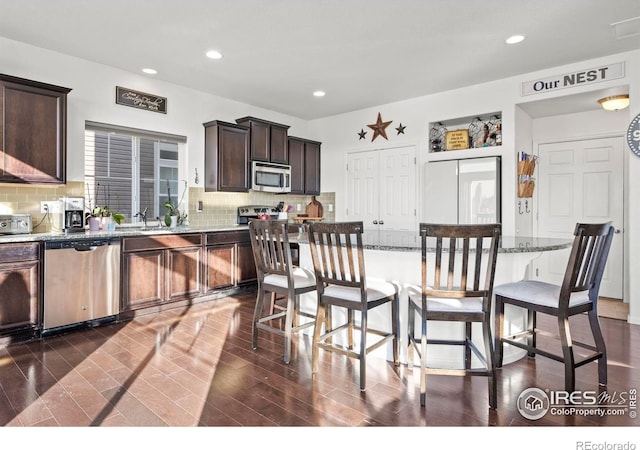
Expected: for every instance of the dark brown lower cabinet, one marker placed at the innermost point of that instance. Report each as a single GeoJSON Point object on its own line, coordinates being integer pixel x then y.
{"type": "Point", "coordinates": [219, 267]}
{"type": "Point", "coordinates": [20, 288]}
{"type": "Point", "coordinates": [160, 269]}
{"type": "Point", "coordinates": [245, 265]}
{"type": "Point", "coordinates": [158, 272]}
{"type": "Point", "coordinates": [229, 260]}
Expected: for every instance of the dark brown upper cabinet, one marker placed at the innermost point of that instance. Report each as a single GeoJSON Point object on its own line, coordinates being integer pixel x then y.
{"type": "Point", "coordinates": [226, 157]}
{"type": "Point", "coordinates": [304, 158]}
{"type": "Point", "coordinates": [268, 140]}
{"type": "Point", "coordinates": [33, 131]}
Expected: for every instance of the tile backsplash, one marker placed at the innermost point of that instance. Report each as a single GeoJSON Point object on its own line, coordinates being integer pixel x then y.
{"type": "Point", "coordinates": [218, 208]}
{"type": "Point", "coordinates": [221, 208]}
{"type": "Point", "coordinates": [26, 198]}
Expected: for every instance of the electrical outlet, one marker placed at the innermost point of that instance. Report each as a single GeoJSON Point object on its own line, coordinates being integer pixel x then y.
{"type": "Point", "coordinates": [50, 206]}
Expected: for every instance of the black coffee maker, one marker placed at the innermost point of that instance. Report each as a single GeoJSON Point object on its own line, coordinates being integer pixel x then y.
{"type": "Point", "coordinates": [72, 213]}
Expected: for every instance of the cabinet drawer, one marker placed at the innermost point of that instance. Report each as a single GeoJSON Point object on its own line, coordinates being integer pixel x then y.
{"type": "Point", "coordinates": [227, 237]}
{"type": "Point", "coordinates": [132, 244]}
{"type": "Point", "coordinates": [28, 251]}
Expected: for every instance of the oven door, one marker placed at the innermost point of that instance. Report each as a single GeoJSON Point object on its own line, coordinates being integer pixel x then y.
{"type": "Point", "coordinates": [271, 177]}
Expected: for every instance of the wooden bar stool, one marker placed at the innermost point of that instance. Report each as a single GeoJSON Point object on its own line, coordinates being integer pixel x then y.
{"type": "Point", "coordinates": [338, 261]}
{"type": "Point", "coordinates": [278, 276]}
{"type": "Point", "coordinates": [578, 294]}
{"type": "Point", "coordinates": [457, 287]}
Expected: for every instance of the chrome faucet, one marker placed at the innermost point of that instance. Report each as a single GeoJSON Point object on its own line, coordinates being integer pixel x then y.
{"type": "Point", "coordinates": [143, 216]}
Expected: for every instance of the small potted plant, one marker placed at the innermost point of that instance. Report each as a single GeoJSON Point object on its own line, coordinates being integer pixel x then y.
{"type": "Point", "coordinates": [173, 216]}
{"type": "Point", "coordinates": [102, 216]}
{"type": "Point", "coordinates": [109, 217]}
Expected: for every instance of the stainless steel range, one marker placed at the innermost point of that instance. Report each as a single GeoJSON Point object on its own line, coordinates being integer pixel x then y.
{"type": "Point", "coordinates": [245, 213]}
{"type": "Point", "coordinates": [15, 224]}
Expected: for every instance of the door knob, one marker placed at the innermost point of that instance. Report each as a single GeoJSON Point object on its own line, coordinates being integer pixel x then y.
{"type": "Point", "coordinates": [381, 222]}
{"type": "Point", "coordinates": [375, 222]}
{"type": "Point", "coordinates": [617, 231]}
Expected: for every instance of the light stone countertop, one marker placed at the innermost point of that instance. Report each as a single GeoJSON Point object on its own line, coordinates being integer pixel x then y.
{"type": "Point", "coordinates": [407, 241]}
{"type": "Point", "coordinates": [403, 241]}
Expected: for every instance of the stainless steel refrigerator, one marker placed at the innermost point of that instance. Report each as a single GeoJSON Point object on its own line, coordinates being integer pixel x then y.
{"type": "Point", "coordinates": [463, 191]}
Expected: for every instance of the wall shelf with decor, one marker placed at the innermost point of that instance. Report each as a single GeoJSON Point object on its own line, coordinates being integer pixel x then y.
{"type": "Point", "coordinates": [466, 134]}
{"type": "Point", "coordinates": [526, 181]}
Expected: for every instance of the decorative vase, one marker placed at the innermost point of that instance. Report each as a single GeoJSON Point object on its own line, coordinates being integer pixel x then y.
{"type": "Point", "coordinates": [94, 223]}
{"type": "Point", "coordinates": [174, 222]}
{"type": "Point", "coordinates": [108, 223]}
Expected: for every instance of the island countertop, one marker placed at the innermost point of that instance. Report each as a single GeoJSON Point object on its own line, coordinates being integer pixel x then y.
{"type": "Point", "coordinates": [408, 241]}
{"type": "Point", "coordinates": [401, 241]}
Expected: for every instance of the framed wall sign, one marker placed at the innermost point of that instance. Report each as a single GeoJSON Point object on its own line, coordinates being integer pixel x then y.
{"type": "Point", "coordinates": [457, 140]}
{"type": "Point", "coordinates": [633, 135]}
{"type": "Point", "coordinates": [141, 100]}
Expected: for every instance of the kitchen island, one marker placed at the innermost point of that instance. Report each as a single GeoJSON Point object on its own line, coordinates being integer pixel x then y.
{"type": "Point", "coordinates": [396, 256]}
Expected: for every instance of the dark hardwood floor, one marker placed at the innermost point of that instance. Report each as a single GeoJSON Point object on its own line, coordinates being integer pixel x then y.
{"type": "Point", "coordinates": [195, 367]}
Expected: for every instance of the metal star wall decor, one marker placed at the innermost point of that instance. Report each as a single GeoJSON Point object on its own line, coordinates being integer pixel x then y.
{"type": "Point", "coordinates": [379, 128]}
{"type": "Point", "coordinates": [401, 128]}
{"type": "Point", "coordinates": [362, 133]}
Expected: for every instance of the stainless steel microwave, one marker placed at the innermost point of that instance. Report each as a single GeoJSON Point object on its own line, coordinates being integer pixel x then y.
{"type": "Point", "coordinates": [268, 177]}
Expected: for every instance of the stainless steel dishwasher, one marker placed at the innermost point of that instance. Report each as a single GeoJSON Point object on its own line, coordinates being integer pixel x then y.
{"type": "Point", "coordinates": [81, 281]}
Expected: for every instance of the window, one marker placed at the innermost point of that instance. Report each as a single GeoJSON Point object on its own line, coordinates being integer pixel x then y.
{"type": "Point", "coordinates": [131, 170]}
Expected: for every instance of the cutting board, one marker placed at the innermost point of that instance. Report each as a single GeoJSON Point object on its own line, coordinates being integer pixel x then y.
{"type": "Point", "coordinates": [314, 209]}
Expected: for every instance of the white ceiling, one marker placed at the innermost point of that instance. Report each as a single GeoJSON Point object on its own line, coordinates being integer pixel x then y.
{"type": "Point", "coordinates": [363, 53]}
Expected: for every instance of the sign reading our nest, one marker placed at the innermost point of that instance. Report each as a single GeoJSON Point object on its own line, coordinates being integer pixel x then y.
{"type": "Point", "coordinates": [141, 100]}
{"type": "Point", "coordinates": [457, 140]}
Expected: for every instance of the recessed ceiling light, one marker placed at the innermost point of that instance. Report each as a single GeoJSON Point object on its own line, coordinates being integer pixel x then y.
{"type": "Point", "coordinates": [214, 54]}
{"type": "Point", "coordinates": [319, 94]}
{"type": "Point", "coordinates": [515, 39]}
{"type": "Point", "coordinates": [149, 71]}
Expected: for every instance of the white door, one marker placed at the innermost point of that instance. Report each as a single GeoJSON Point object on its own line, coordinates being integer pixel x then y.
{"type": "Point", "coordinates": [363, 188]}
{"type": "Point", "coordinates": [581, 181]}
{"type": "Point", "coordinates": [381, 188]}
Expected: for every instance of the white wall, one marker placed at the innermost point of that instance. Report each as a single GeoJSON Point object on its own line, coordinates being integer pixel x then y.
{"type": "Point", "coordinates": [632, 194]}
{"type": "Point", "coordinates": [523, 143]}
{"type": "Point", "coordinates": [339, 135]}
{"type": "Point", "coordinates": [93, 98]}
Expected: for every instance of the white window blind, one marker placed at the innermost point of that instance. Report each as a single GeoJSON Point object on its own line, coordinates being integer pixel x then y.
{"type": "Point", "coordinates": [130, 169]}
